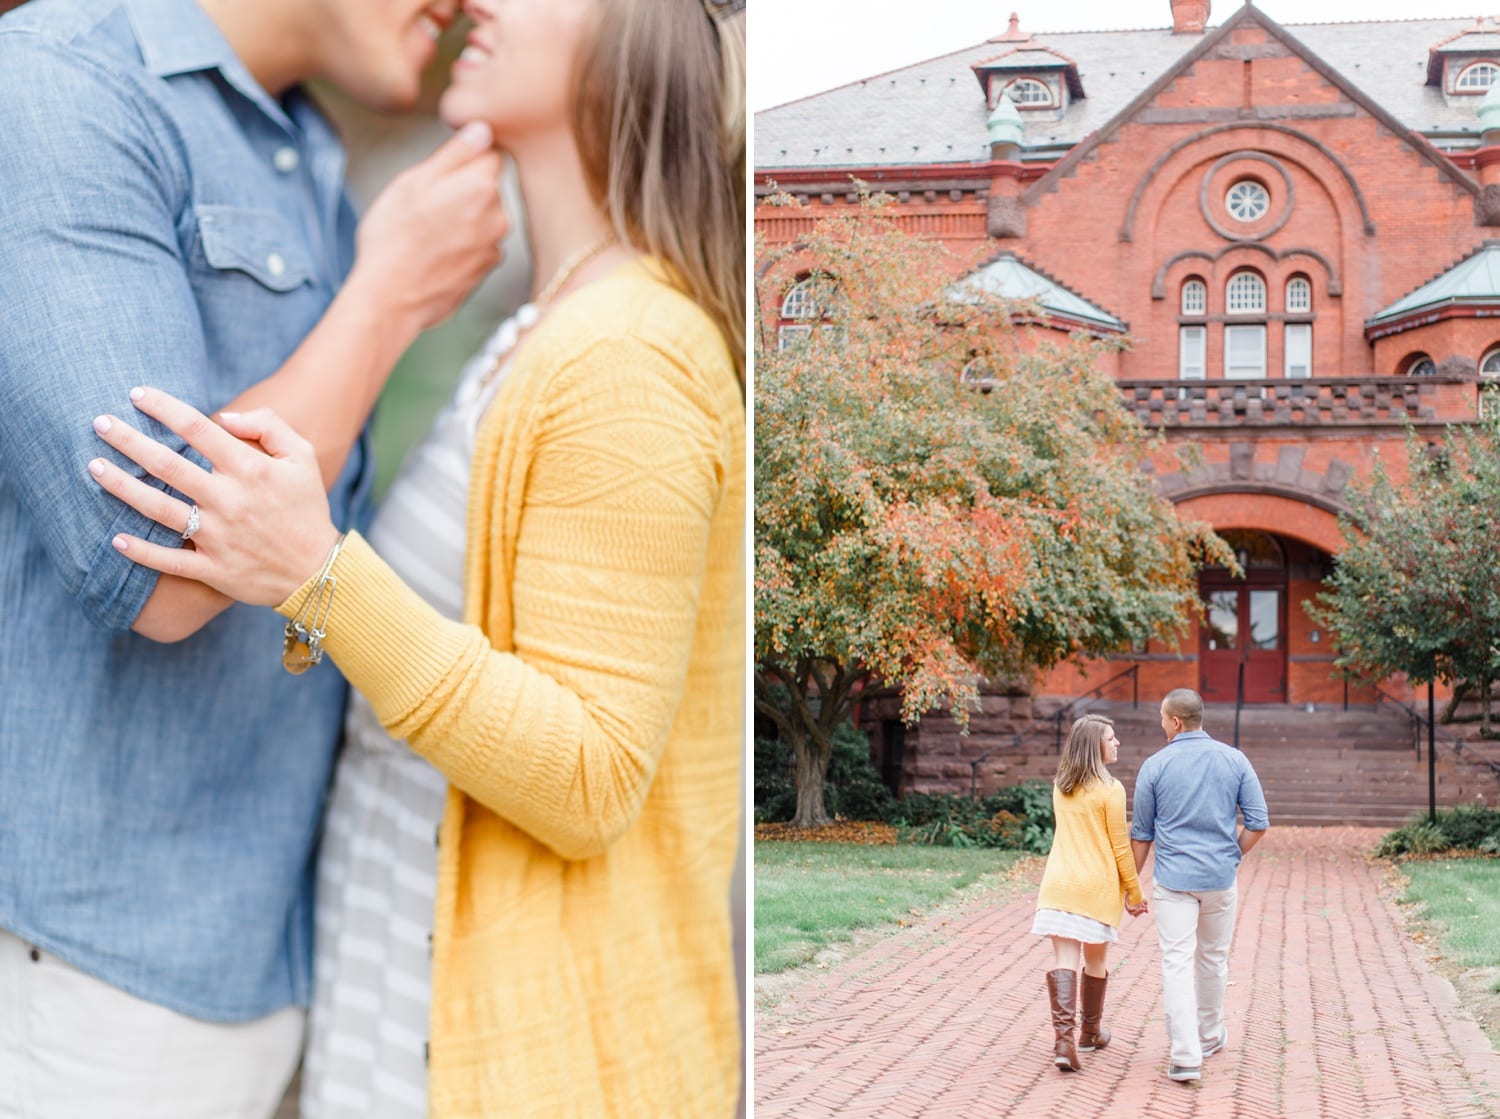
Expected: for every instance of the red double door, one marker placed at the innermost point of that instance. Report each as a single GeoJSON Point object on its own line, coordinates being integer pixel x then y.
{"type": "Point", "coordinates": [1244, 626]}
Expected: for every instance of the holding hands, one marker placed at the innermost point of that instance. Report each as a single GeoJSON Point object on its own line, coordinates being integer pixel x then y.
{"type": "Point", "coordinates": [1138, 910]}
{"type": "Point", "coordinates": [260, 525]}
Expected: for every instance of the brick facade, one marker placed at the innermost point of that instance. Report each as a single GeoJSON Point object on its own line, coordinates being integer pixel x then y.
{"type": "Point", "coordinates": [1346, 199]}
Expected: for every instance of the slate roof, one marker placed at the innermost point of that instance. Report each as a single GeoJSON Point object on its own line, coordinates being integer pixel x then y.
{"type": "Point", "coordinates": [932, 113]}
{"type": "Point", "coordinates": [1007, 276]}
{"type": "Point", "coordinates": [1475, 279]}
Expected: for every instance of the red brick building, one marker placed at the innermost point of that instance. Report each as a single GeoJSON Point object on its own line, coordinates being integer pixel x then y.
{"type": "Point", "coordinates": [1291, 223]}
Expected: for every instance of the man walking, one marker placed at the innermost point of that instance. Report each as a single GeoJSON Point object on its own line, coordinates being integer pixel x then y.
{"type": "Point", "coordinates": [174, 215]}
{"type": "Point", "coordinates": [1187, 798]}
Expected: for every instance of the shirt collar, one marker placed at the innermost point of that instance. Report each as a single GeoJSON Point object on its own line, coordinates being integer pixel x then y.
{"type": "Point", "coordinates": [1190, 736]}
{"type": "Point", "coordinates": [178, 37]}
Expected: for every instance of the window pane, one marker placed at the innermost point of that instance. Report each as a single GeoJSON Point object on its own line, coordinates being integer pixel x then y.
{"type": "Point", "coordinates": [1192, 352]}
{"type": "Point", "coordinates": [1299, 350]}
{"type": "Point", "coordinates": [1244, 351]}
{"type": "Point", "coordinates": [798, 303]}
{"type": "Point", "coordinates": [1194, 298]}
{"type": "Point", "coordinates": [792, 337]}
{"type": "Point", "coordinates": [1247, 294]}
{"type": "Point", "coordinates": [1299, 296]}
{"type": "Point", "coordinates": [1479, 76]}
{"type": "Point", "coordinates": [1223, 620]}
{"type": "Point", "coordinates": [1490, 366]}
{"type": "Point", "coordinates": [1265, 619]}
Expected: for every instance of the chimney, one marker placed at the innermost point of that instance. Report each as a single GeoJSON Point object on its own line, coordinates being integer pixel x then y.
{"type": "Point", "coordinates": [1189, 16]}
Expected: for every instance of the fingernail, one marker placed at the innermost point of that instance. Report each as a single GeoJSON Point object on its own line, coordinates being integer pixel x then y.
{"type": "Point", "coordinates": [96, 468]}
{"type": "Point", "coordinates": [120, 543]}
{"type": "Point", "coordinates": [230, 415]}
{"type": "Point", "coordinates": [101, 424]}
{"type": "Point", "coordinates": [136, 394]}
{"type": "Point", "coordinates": [476, 134]}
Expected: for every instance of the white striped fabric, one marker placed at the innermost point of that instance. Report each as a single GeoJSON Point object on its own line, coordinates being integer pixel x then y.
{"type": "Point", "coordinates": [1074, 926]}
{"type": "Point", "coordinates": [377, 872]}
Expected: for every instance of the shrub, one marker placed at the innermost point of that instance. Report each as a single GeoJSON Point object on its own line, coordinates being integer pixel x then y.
{"type": "Point", "coordinates": [1018, 818]}
{"type": "Point", "coordinates": [1464, 828]}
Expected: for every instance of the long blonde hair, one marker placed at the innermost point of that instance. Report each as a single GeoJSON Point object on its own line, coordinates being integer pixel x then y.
{"type": "Point", "coordinates": [1082, 761]}
{"type": "Point", "coordinates": [660, 124]}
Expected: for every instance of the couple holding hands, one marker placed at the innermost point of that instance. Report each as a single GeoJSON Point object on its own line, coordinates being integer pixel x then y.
{"type": "Point", "coordinates": [508, 893]}
{"type": "Point", "coordinates": [1188, 799]}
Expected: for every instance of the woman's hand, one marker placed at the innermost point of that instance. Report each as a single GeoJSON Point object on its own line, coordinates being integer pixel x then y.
{"type": "Point", "coordinates": [1137, 910]}
{"type": "Point", "coordinates": [264, 526]}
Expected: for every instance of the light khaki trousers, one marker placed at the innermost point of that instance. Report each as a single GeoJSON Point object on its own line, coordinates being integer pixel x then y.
{"type": "Point", "coordinates": [1194, 930]}
{"type": "Point", "coordinates": [72, 1047]}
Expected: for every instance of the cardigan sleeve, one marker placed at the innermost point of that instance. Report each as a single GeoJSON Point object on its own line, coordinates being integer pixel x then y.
{"type": "Point", "coordinates": [1119, 841]}
{"type": "Point", "coordinates": [562, 736]}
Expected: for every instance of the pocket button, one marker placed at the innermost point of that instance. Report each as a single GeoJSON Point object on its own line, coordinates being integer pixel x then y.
{"type": "Point", "coordinates": [276, 264]}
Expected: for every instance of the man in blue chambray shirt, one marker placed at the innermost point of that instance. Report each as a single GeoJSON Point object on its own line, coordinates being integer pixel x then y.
{"type": "Point", "coordinates": [1187, 800]}
{"type": "Point", "coordinates": [173, 213]}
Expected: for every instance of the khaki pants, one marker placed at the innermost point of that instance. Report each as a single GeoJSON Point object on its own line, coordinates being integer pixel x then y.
{"type": "Point", "coordinates": [1194, 930]}
{"type": "Point", "coordinates": [72, 1046]}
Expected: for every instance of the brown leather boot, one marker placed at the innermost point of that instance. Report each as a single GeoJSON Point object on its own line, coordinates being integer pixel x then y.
{"type": "Point", "coordinates": [1062, 989]}
{"type": "Point", "coordinates": [1091, 1033]}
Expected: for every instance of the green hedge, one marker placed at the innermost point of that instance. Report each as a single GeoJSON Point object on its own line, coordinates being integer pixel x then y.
{"type": "Point", "coordinates": [1018, 818]}
{"type": "Point", "coordinates": [1465, 828]}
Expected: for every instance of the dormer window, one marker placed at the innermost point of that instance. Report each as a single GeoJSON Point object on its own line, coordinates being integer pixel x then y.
{"type": "Point", "coordinates": [1028, 93]}
{"type": "Point", "coordinates": [1477, 77]}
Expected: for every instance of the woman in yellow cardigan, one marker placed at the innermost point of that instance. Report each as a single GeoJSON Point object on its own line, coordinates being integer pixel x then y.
{"type": "Point", "coordinates": [1090, 873]}
{"type": "Point", "coordinates": [567, 675]}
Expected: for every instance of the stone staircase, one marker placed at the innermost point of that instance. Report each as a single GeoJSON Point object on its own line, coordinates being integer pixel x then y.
{"type": "Point", "coordinates": [1319, 768]}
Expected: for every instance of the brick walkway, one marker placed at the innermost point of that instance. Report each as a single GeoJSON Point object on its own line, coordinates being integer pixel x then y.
{"type": "Point", "coordinates": [1333, 1012]}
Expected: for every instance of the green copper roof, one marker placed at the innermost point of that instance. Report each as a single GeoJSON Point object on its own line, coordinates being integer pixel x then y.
{"type": "Point", "coordinates": [1475, 279]}
{"type": "Point", "coordinates": [1008, 277]}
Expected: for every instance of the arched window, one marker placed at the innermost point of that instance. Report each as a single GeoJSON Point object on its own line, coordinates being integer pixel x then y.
{"type": "Point", "coordinates": [979, 375]}
{"type": "Point", "coordinates": [1298, 296]}
{"type": "Point", "coordinates": [1194, 297]}
{"type": "Point", "coordinates": [798, 303]}
{"type": "Point", "coordinates": [1489, 394]}
{"type": "Point", "coordinates": [1029, 93]}
{"type": "Point", "coordinates": [1418, 365]}
{"type": "Point", "coordinates": [1477, 77]}
{"type": "Point", "coordinates": [1245, 294]}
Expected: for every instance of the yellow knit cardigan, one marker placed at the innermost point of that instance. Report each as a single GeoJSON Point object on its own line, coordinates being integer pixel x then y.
{"type": "Point", "coordinates": [589, 716]}
{"type": "Point", "coordinates": [1090, 868]}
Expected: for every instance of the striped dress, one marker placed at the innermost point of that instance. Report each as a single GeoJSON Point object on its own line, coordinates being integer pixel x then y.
{"type": "Point", "coordinates": [377, 871]}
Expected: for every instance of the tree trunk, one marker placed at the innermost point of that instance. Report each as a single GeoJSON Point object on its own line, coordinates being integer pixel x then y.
{"type": "Point", "coordinates": [1484, 707]}
{"type": "Point", "coordinates": [812, 771]}
{"type": "Point", "coordinates": [1450, 712]}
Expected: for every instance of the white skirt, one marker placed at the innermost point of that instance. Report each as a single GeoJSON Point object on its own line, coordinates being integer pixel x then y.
{"type": "Point", "coordinates": [1074, 926]}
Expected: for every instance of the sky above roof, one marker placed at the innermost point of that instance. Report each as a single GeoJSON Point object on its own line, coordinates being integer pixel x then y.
{"type": "Point", "coordinates": [799, 47]}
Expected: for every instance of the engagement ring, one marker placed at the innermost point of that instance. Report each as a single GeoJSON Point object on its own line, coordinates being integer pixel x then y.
{"type": "Point", "coordinates": [193, 523]}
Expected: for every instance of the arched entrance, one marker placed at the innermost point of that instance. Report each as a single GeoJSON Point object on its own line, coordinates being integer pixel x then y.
{"type": "Point", "coordinates": [1244, 634]}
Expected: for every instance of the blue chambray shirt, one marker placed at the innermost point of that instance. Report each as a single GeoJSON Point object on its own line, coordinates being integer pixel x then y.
{"type": "Point", "coordinates": [162, 221]}
{"type": "Point", "coordinates": [1187, 797]}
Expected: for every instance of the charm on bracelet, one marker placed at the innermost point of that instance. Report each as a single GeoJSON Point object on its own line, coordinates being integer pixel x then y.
{"type": "Point", "coordinates": [302, 639]}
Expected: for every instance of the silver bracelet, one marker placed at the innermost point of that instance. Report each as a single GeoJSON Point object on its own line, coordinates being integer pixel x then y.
{"type": "Point", "coordinates": [307, 630]}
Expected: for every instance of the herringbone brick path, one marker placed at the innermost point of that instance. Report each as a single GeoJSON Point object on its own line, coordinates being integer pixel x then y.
{"type": "Point", "coordinates": [1333, 1010]}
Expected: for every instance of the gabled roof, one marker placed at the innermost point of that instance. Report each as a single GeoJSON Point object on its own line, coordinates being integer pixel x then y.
{"type": "Point", "coordinates": [1473, 280]}
{"type": "Point", "coordinates": [1009, 277]}
{"type": "Point", "coordinates": [928, 113]}
{"type": "Point", "coordinates": [1031, 58]}
{"type": "Point", "coordinates": [1481, 38]}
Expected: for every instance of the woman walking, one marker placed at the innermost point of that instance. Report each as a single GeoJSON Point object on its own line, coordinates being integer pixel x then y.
{"type": "Point", "coordinates": [1090, 874]}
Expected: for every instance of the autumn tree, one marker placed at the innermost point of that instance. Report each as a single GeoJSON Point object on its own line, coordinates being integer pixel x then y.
{"type": "Point", "coordinates": [927, 528]}
{"type": "Point", "coordinates": [1414, 590]}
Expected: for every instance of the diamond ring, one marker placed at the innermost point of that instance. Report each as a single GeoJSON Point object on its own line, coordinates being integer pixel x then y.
{"type": "Point", "coordinates": [193, 523]}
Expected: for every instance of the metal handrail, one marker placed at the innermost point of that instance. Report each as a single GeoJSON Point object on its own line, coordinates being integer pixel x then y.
{"type": "Point", "coordinates": [1057, 718]}
{"type": "Point", "coordinates": [1418, 720]}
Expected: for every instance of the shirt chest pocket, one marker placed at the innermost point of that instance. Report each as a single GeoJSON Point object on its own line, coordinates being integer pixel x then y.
{"type": "Point", "coordinates": [260, 244]}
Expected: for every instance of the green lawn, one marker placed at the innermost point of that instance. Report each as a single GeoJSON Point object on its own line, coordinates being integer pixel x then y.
{"type": "Point", "coordinates": [811, 895]}
{"type": "Point", "coordinates": [1461, 899]}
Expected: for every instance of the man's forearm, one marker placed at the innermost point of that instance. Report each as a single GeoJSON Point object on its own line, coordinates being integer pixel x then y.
{"type": "Point", "coordinates": [1141, 849]}
{"type": "Point", "coordinates": [326, 391]}
{"type": "Point", "coordinates": [1249, 839]}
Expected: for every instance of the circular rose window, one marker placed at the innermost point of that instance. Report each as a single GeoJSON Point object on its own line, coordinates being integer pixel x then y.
{"type": "Point", "coordinates": [1247, 201]}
